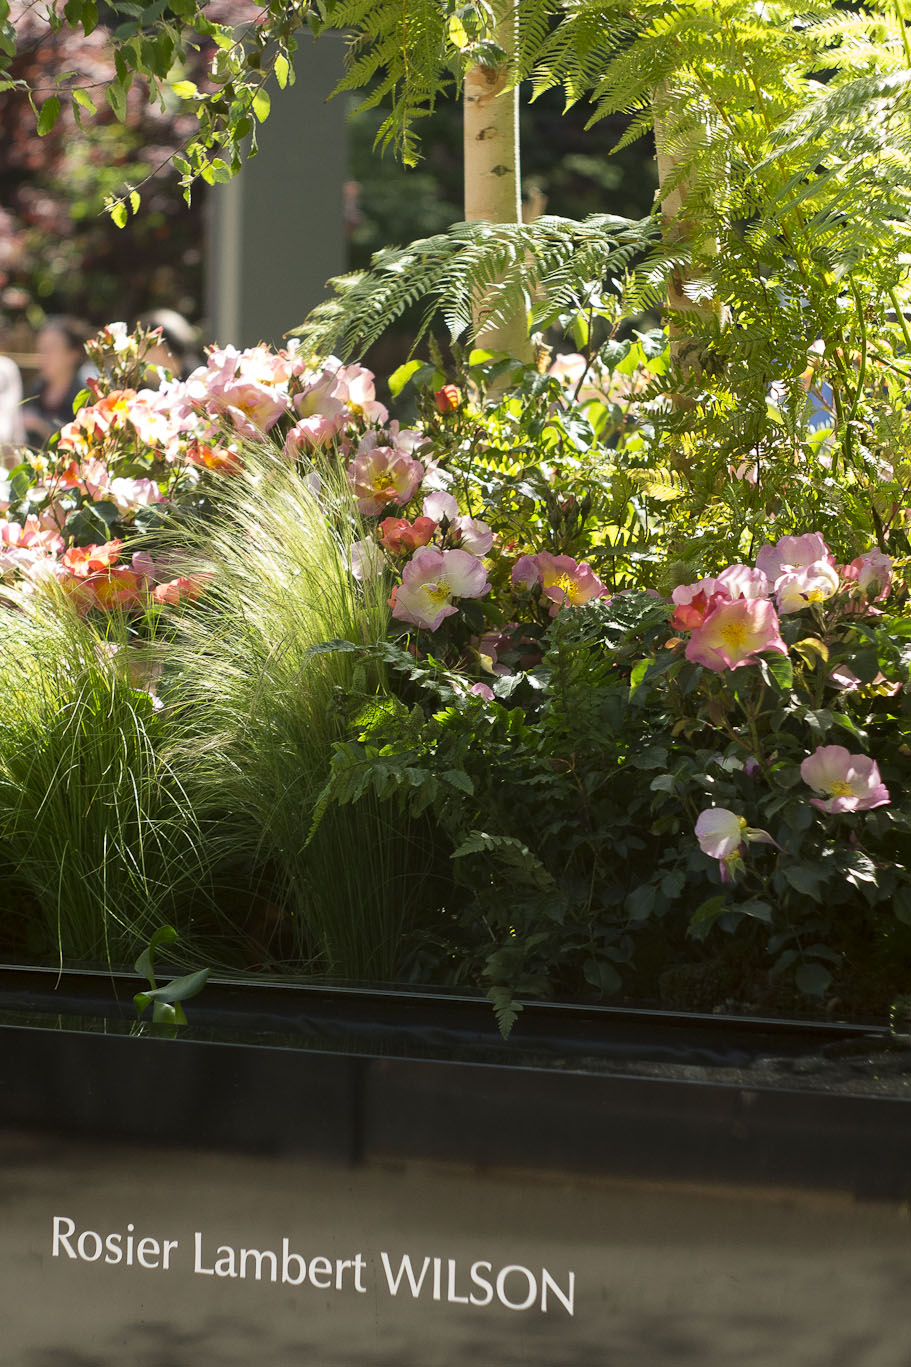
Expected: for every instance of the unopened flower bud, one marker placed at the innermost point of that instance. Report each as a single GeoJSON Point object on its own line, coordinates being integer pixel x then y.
{"type": "Point", "coordinates": [447, 399]}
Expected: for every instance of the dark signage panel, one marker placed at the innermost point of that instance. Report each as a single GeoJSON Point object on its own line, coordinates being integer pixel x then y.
{"type": "Point", "coordinates": [180, 1203]}
{"type": "Point", "coordinates": [125, 1255]}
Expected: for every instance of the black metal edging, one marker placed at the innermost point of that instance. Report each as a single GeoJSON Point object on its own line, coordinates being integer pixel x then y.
{"type": "Point", "coordinates": [384, 1018]}
{"type": "Point", "coordinates": [352, 1109]}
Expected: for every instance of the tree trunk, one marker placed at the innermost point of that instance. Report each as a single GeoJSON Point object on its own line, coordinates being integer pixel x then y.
{"type": "Point", "coordinates": [492, 175]}
{"type": "Point", "coordinates": [686, 350]}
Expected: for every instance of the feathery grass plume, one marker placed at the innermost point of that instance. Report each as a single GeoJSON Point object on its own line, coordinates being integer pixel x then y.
{"type": "Point", "coordinates": [268, 709]}
{"type": "Point", "coordinates": [98, 834]}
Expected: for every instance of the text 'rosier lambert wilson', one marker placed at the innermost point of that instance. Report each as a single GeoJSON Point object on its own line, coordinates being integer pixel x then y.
{"type": "Point", "coordinates": [447, 1281]}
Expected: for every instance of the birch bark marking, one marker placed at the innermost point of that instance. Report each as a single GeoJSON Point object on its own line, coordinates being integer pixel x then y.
{"type": "Point", "coordinates": [492, 175]}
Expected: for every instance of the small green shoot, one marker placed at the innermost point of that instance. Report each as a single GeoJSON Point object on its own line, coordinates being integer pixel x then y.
{"type": "Point", "coordinates": [165, 1001]}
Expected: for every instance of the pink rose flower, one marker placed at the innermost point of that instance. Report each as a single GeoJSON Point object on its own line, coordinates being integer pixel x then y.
{"type": "Point", "coordinates": [321, 414]}
{"type": "Point", "coordinates": [792, 553]}
{"type": "Point", "coordinates": [470, 533]}
{"type": "Point", "coordinates": [872, 573]}
{"type": "Point", "coordinates": [694, 602]}
{"type": "Point", "coordinates": [356, 389]}
{"type": "Point", "coordinates": [30, 535]}
{"type": "Point", "coordinates": [473, 535]}
{"type": "Point", "coordinates": [733, 634]}
{"type": "Point", "coordinates": [813, 584]}
{"type": "Point", "coordinates": [398, 535]}
{"type": "Point", "coordinates": [135, 493]}
{"type": "Point", "coordinates": [252, 408]}
{"type": "Point", "coordinates": [525, 573]}
{"type": "Point", "coordinates": [441, 506]}
{"type": "Point", "coordinates": [383, 476]}
{"type": "Point", "coordinates": [851, 783]}
{"type": "Point", "coordinates": [186, 588]}
{"type": "Point", "coordinates": [739, 581]}
{"type": "Point", "coordinates": [430, 582]}
{"type": "Point", "coordinates": [264, 366]}
{"type": "Point", "coordinates": [567, 581]}
{"type": "Point", "coordinates": [118, 587]}
{"type": "Point", "coordinates": [722, 836]}
{"type": "Point", "coordinates": [719, 832]}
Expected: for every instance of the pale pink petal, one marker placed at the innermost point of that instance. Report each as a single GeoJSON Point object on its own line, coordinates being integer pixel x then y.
{"type": "Point", "coordinates": [719, 832]}
{"type": "Point", "coordinates": [735, 633]}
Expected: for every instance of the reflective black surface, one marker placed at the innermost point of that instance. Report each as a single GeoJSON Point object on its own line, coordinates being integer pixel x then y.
{"type": "Point", "coordinates": [621, 1167]}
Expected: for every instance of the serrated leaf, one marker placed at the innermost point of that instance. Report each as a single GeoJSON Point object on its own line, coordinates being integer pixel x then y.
{"type": "Point", "coordinates": [780, 669]}
{"type": "Point", "coordinates": [118, 212]}
{"type": "Point", "coordinates": [50, 112]}
{"type": "Point", "coordinates": [859, 868]}
{"type": "Point", "coordinates": [184, 90]}
{"type": "Point", "coordinates": [457, 778]}
{"type": "Point", "coordinates": [116, 96]}
{"type": "Point", "coordinates": [282, 68]}
{"type": "Point", "coordinates": [505, 1008]}
{"type": "Point", "coordinates": [134, 201]}
{"type": "Point", "coordinates": [262, 105]}
{"type": "Point", "coordinates": [672, 884]}
{"type": "Point", "coordinates": [849, 724]}
{"type": "Point", "coordinates": [650, 757]}
{"type": "Point", "coordinates": [865, 664]}
{"type": "Point", "coordinates": [84, 100]}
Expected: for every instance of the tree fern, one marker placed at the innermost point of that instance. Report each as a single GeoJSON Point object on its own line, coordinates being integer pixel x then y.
{"type": "Point", "coordinates": [552, 261]}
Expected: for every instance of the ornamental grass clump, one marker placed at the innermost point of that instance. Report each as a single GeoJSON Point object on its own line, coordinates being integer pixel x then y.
{"type": "Point", "coordinates": [99, 837]}
{"type": "Point", "coordinates": [269, 702]}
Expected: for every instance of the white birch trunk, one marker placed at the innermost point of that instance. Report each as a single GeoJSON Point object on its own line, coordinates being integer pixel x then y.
{"type": "Point", "coordinates": [492, 173]}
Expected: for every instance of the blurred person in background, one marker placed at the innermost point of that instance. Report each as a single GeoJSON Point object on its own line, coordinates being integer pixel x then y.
{"type": "Point", "coordinates": [177, 352]}
{"type": "Point", "coordinates": [12, 429]}
{"type": "Point", "coordinates": [61, 361]}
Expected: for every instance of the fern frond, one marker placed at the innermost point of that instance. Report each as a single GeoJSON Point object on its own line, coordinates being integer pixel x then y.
{"type": "Point", "coordinates": [504, 266]}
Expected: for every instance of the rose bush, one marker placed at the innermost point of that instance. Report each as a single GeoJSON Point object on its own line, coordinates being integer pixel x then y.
{"type": "Point", "coordinates": [624, 770]}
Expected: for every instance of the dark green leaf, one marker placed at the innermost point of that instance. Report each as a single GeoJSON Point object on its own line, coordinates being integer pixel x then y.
{"type": "Point", "coordinates": [50, 112]}
{"type": "Point", "coordinates": [780, 669]}
{"type": "Point", "coordinates": [813, 979]}
{"type": "Point", "coordinates": [804, 879]}
{"type": "Point", "coordinates": [602, 976]}
{"type": "Point", "coordinates": [640, 902]}
{"type": "Point", "coordinates": [705, 916]}
{"type": "Point", "coordinates": [901, 904]}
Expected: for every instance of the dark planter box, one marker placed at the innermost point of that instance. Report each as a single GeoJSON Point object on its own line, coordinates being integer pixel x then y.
{"type": "Point", "coordinates": [374, 1179]}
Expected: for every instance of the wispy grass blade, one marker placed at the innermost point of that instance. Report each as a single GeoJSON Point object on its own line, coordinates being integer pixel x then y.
{"type": "Point", "coordinates": [95, 825]}
{"type": "Point", "coordinates": [267, 712]}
